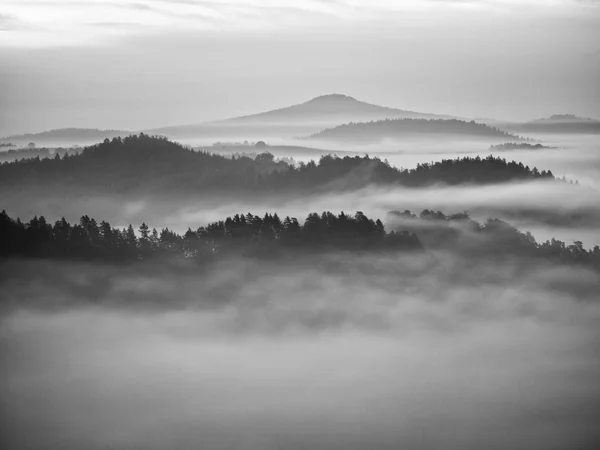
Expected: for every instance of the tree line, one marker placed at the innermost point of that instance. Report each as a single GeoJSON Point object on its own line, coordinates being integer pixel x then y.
{"type": "Point", "coordinates": [519, 146]}
{"type": "Point", "coordinates": [269, 236]}
{"type": "Point", "coordinates": [359, 171]}
{"type": "Point", "coordinates": [246, 234]}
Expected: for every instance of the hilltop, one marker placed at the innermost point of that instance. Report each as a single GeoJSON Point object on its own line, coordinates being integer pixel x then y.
{"type": "Point", "coordinates": [373, 132]}
{"type": "Point", "coordinates": [332, 107]}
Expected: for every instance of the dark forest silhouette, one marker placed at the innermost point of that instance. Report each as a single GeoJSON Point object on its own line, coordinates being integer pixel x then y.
{"type": "Point", "coordinates": [375, 131]}
{"type": "Point", "coordinates": [248, 234]}
{"type": "Point", "coordinates": [361, 171]}
{"type": "Point", "coordinates": [137, 162]}
{"type": "Point", "coordinates": [145, 164]}
{"type": "Point", "coordinates": [269, 236]}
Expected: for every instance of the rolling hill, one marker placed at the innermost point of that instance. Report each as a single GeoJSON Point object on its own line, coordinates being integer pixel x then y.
{"type": "Point", "coordinates": [556, 124]}
{"type": "Point", "coordinates": [155, 166]}
{"type": "Point", "coordinates": [64, 137]}
{"type": "Point", "coordinates": [563, 123]}
{"type": "Point", "coordinates": [374, 132]}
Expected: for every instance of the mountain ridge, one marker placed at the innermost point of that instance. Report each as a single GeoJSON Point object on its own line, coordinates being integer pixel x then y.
{"type": "Point", "coordinates": [564, 118]}
{"type": "Point", "coordinates": [64, 136]}
{"type": "Point", "coordinates": [296, 120]}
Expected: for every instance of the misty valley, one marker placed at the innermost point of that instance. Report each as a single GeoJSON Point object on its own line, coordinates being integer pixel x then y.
{"type": "Point", "coordinates": [275, 296]}
{"type": "Point", "coordinates": [332, 274]}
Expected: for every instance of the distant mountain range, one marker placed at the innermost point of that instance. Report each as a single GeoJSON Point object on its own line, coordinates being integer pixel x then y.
{"type": "Point", "coordinates": [304, 119]}
{"type": "Point", "coordinates": [64, 137]}
{"type": "Point", "coordinates": [374, 132]}
{"type": "Point", "coordinates": [292, 121]}
{"type": "Point", "coordinates": [296, 120]}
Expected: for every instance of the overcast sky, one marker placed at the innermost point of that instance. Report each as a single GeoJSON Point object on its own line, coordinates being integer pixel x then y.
{"type": "Point", "coordinates": [149, 63]}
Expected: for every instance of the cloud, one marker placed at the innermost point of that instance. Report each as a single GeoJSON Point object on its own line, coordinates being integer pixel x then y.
{"type": "Point", "coordinates": [66, 22]}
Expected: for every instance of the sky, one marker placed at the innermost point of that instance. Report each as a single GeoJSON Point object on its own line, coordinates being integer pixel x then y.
{"type": "Point", "coordinates": [149, 63]}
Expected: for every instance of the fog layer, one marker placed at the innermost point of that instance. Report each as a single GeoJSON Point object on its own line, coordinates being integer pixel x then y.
{"type": "Point", "coordinates": [375, 353]}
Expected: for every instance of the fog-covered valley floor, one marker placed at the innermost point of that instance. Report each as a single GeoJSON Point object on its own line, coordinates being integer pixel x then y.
{"type": "Point", "coordinates": [344, 352]}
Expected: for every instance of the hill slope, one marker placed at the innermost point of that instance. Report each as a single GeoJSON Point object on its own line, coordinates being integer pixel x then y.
{"type": "Point", "coordinates": [134, 164]}
{"type": "Point", "coordinates": [333, 107]}
{"type": "Point", "coordinates": [372, 132]}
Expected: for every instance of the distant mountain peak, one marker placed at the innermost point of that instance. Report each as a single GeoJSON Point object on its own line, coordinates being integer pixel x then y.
{"type": "Point", "coordinates": [299, 119]}
{"type": "Point", "coordinates": [332, 97]}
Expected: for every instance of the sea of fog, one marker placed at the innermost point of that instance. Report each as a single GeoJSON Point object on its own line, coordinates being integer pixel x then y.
{"type": "Point", "coordinates": [364, 353]}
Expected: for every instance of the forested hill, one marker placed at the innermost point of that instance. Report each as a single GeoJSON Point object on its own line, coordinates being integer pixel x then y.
{"type": "Point", "coordinates": [155, 165]}
{"type": "Point", "coordinates": [367, 132]}
{"type": "Point", "coordinates": [136, 163]}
